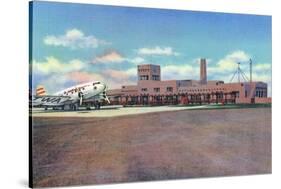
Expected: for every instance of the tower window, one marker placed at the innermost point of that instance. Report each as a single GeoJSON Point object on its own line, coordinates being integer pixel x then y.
{"type": "Point", "coordinates": [144, 77]}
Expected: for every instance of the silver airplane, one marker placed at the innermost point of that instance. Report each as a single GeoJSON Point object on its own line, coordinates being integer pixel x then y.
{"type": "Point", "coordinates": [86, 94]}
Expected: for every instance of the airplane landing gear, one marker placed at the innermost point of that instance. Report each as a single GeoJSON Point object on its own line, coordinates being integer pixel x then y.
{"type": "Point", "coordinates": [74, 107]}
{"type": "Point", "coordinates": [97, 105]}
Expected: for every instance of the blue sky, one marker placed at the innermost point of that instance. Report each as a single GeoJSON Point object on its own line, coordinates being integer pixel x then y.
{"type": "Point", "coordinates": [73, 43]}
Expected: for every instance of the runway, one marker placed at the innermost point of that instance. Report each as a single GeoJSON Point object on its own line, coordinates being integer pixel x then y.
{"type": "Point", "coordinates": [109, 111]}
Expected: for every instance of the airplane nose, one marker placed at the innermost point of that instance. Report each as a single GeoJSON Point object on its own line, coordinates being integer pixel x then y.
{"type": "Point", "coordinates": [100, 87]}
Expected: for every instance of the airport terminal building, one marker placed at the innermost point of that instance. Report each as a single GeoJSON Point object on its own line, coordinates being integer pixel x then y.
{"type": "Point", "coordinates": [151, 90]}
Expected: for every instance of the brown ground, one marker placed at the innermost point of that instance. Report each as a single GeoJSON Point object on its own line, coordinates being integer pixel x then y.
{"type": "Point", "coordinates": [155, 146]}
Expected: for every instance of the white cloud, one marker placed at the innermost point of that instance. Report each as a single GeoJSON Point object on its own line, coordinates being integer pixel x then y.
{"type": "Point", "coordinates": [54, 83]}
{"type": "Point", "coordinates": [166, 51]}
{"type": "Point", "coordinates": [229, 62]}
{"type": "Point", "coordinates": [132, 72]}
{"type": "Point", "coordinates": [179, 72]}
{"type": "Point", "coordinates": [262, 67]}
{"type": "Point", "coordinates": [136, 60]}
{"type": "Point", "coordinates": [111, 56]}
{"type": "Point", "coordinates": [73, 39]}
{"type": "Point", "coordinates": [83, 76]}
{"type": "Point", "coordinates": [52, 65]}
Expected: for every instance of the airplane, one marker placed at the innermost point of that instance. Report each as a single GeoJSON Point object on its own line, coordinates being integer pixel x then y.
{"type": "Point", "coordinates": [86, 94]}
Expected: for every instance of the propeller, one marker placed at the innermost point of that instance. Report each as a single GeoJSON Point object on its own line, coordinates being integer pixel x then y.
{"type": "Point", "coordinates": [104, 94]}
{"type": "Point", "coordinates": [106, 98]}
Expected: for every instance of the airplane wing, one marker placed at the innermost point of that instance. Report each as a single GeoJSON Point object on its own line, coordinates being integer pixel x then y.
{"type": "Point", "coordinates": [49, 100]}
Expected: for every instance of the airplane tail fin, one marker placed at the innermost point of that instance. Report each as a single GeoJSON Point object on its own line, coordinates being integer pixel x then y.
{"type": "Point", "coordinates": [40, 90]}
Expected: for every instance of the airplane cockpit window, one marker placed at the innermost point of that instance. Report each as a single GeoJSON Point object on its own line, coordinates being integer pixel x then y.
{"type": "Point", "coordinates": [96, 83]}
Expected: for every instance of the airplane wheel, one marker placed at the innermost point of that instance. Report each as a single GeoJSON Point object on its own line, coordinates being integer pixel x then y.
{"type": "Point", "coordinates": [97, 106]}
{"type": "Point", "coordinates": [46, 108]}
{"type": "Point", "coordinates": [75, 107]}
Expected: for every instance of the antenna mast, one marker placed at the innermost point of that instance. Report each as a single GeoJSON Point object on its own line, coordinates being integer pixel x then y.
{"type": "Point", "coordinates": [239, 73]}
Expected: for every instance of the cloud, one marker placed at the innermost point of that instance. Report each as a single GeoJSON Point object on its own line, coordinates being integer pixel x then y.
{"type": "Point", "coordinates": [110, 56]}
{"type": "Point", "coordinates": [165, 51]}
{"type": "Point", "coordinates": [81, 77]}
{"type": "Point", "coordinates": [116, 74]}
{"type": "Point", "coordinates": [113, 56]}
{"type": "Point", "coordinates": [52, 65]}
{"type": "Point", "coordinates": [74, 39]}
{"type": "Point", "coordinates": [113, 78]}
{"type": "Point", "coordinates": [229, 62]}
{"type": "Point", "coordinates": [56, 75]}
{"type": "Point", "coordinates": [262, 67]}
{"type": "Point", "coordinates": [54, 83]}
{"type": "Point", "coordinates": [174, 71]}
{"type": "Point", "coordinates": [136, 60]}
{"type": "Point", "coordinates": [132, 72]}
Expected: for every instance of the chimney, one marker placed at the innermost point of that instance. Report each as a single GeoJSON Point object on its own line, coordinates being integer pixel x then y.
{"type": "Point", "coordinates": [203, 71]}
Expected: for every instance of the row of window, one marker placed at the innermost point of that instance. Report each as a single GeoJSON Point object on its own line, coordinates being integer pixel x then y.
{"type": "Point", "coordinates": [201, 90]}
{"type": "Point", "coordinates": [156, 77]}
{"type": "Point", "coordinates": [72, 91]}
{"type": "Point", "coordinates": [75, 90]}
{"type": "Point", "coordinates": [157, 90]}
{"type": "Point", "coordinates": [144, 77]}
{"type": "Point", "coordinates": [143, 70]}
{"type": "Point", "coordinates": [261, 94]}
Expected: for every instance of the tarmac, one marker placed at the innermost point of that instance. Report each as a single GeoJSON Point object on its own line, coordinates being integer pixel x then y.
{"type": "Point", "coordinates": [149, 146]}
{"type": "Point", "coordinates": [109, 111]}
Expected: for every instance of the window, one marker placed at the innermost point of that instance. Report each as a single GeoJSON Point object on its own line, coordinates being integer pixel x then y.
{"type": "Point", "coordinates": [144, 89]}
{"type": "Point", "coordinates": [169, 89]}
{"type": "Point", "coordinates": [144, 77]}
{"type": "Point", "coordinates": [155, 77]}
{"type": "Point", "coordinates": [157, 90]}
{"type": "Point", "coordinates": [96, 83]}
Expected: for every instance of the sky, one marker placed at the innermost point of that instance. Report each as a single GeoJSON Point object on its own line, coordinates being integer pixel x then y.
{"type": "Point", "coordinates": [75, 43]}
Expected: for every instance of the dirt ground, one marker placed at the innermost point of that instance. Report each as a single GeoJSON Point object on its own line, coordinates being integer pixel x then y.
{"type": "Point", "coordinates": [154, 146]}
